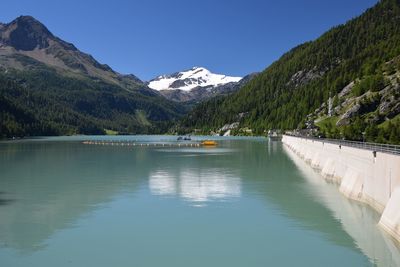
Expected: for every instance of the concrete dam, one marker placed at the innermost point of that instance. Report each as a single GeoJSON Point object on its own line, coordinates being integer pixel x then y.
{"type": "Point", "coordinates": [364, 174]}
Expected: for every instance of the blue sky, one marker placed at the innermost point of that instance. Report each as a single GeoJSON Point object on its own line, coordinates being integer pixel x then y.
{"type": "Point", "coordinates": [153, 37]}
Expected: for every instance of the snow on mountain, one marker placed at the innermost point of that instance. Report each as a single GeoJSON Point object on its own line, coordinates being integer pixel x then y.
{"type": "Point", "coordinates": [187, 80]}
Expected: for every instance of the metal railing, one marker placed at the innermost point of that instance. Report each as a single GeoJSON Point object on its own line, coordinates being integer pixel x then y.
{"type": "Point", "coordinates": [378, 147]}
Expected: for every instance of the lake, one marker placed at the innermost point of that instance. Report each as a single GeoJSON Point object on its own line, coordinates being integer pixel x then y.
{"type": "Point", "coordinates": [246, 202]}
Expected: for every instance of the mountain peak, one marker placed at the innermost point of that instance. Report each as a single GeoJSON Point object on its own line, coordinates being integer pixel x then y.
{"type": "Point", "coordinates": [25, 33]}
{"type": "Point", "coordinates": [26, 18]}
{"type": "Point", "coordinates": [190, 79]}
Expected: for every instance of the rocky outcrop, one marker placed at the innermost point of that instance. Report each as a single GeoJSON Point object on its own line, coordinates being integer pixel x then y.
{"type": "Point", "coordinates": [390, 99]}
{"type": "Point", "coordinates": [347, 89]}
{"type": "Point", "coordinates": [303, 77]}
{"type": "Point", "coordinates": [374, 106]}
{"type": "Point", "coordinates": [351, 112]}
{"type": "Point", "coordinates": [231, 126]}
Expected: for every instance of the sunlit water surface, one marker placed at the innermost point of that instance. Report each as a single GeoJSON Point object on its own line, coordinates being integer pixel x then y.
{"type": "Point", "coordinates": [247, 202]}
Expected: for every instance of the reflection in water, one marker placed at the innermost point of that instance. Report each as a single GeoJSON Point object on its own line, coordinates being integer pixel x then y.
{"type": "Point", "coordinates": [47, 187]}
{"type": "Point", "coordinates": [86, 199]}
{"type": "Point", "coordinates": [195, 185]}
{"type": "Point", "coordinates": [5, 201]}
{"type": "Point", "coordinates": [272, 147]}
{"type": "Point", "coordinates": [357, 219]}
{"type": "Point", "coordinates": [162, 183]}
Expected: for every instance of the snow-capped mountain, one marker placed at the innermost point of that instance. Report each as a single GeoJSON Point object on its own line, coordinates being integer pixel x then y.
{"type": "Point", "coordinates": [190, 79]}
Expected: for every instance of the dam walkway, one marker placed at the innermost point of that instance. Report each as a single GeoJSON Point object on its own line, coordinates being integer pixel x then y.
{"type": "Point", "coordinates": [377, 147]}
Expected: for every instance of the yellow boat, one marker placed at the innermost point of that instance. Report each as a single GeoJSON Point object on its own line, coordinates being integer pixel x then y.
{"type": "Point", "coordinates": [209, 143]}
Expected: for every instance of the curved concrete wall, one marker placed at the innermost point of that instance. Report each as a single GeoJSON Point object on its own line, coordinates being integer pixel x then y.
{"type": "Point", "coordinates": [360, 174]}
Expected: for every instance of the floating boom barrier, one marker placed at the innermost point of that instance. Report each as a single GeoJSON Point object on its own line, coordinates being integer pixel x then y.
{"type": "Point", "coordinates": [136, 144]}
{"type": "Point", "coordinates": [206, 143]}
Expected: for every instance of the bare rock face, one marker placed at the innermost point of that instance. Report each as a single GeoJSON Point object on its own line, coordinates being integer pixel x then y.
{"type": "Point", "coordinates": [26, 33]}
{"type": "Point", "coordinates": [303, 76]}
{"type": "Point", "coordinates": [390, 100]}
{"type": "Point", "coordinates": [395, 110]}
{"type": "Point", "coordinates": [231, 126]}
{"type": "Point", "coordinates": [351, 112]}
{"type": "Point", "coordinates": [347, 89]}
{"type": "Point", "coordinates": [180, 83]}
{"type": "Point", "coordinates": [390, 107]}
{"type": "Point", "coordinates": [385, 105]}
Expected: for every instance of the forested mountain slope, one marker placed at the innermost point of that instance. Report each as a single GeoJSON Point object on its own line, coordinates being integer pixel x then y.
{"type": "Point", "coordinates": [49, 87]}
{"type": "Point", "coordinates": [290, 89]}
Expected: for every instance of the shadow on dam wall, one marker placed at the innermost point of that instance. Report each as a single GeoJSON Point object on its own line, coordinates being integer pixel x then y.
{"type": "Point", "coordinates": [357, 217]}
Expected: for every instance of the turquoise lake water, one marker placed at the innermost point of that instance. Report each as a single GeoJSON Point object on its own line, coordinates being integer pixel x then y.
{"type": "Point", "coordinates": [246, 202]}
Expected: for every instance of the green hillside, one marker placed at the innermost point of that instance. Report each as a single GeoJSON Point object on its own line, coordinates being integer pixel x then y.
{"type": "Point", "coordinates": [292, 88]}
{"type": "Point", "coordinates": [43, 102]}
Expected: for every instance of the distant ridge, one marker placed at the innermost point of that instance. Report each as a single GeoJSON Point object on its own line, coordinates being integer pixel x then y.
{"type": "Point", "coordinates": [195, 85]}
{"type": "Point", "coordinates": [189, 79]}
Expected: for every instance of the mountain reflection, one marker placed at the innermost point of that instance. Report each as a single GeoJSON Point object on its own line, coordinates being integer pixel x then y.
{"type": "Point", "coordinates": [195, 185]}
{"type": "Point", "coordinates": [48, 188]}
{"type": "Point", "coordinates": [162, 183]}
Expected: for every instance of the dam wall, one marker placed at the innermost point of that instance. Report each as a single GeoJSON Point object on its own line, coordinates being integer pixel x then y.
{"type": "Point", "coordinates": [364, 175]}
